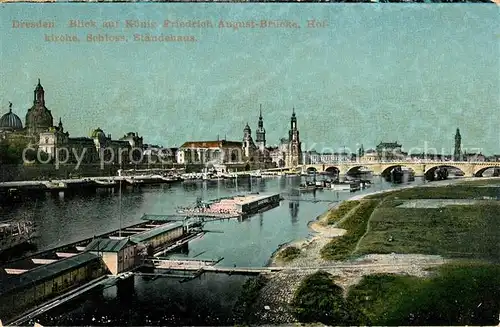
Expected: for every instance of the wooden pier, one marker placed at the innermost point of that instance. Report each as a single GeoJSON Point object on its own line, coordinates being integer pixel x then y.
{"type": "Point", "coordinates": [202, 266]}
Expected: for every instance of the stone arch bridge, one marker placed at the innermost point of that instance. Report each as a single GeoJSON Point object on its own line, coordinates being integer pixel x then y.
{"type": "Point", "coordinates": [470, 169]}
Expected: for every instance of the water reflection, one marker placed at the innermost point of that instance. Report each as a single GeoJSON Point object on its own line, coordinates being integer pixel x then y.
{"type": "Point", "coordinates": [76, 216]}
{"type": "Point", "coordinates": [294, 211]}
{"type": "Point", "coordinates": [208, 300]}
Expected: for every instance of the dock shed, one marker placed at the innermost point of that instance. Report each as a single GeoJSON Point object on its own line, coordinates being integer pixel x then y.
{"type": "Point", "coordinates": [37, 285]}
{"type": "Point", "coordinates": [254, 202]}
{"type": "Point", "coordinates": [119, 255]}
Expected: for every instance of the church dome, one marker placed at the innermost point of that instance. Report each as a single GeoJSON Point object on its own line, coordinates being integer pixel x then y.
{"type": "Point", "coordinates": [10, 121]}
{"type": "Point", "coordinates": [98, 133]}
{"type": "Point", "coordinates": [247, 128]}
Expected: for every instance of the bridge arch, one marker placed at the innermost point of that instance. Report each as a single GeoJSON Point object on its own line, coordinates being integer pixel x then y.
{"type": "Point", "coordinates": [387, 170]}
{"type": "Point", "coordinates": [311, 169]}
{"type": "Point", "coordinates": [430, 171]}
{"type": "Point", "coordinates": [479, 172]}
{"type": "Point", "coordinates": [356, 169]}
{"type": "Point", "coordinates": [332, 170]}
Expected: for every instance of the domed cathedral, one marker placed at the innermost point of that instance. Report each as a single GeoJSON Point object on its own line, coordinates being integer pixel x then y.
{"type": "Point", "coordinates": [293, 156]}
{"type": "Point", "coordinates": [38, 119]}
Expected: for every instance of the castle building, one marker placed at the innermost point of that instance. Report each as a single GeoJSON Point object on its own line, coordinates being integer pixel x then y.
{"type": "Point", "coordinates": [278, 153]}
{"type": "Point", "coordinates": [257, 152]}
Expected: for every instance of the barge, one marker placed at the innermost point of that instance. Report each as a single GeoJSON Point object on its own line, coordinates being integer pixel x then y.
{"type": "Point", "coordinates": [232, 207]}
{"type": "Point", "coordinates": [15, 233]}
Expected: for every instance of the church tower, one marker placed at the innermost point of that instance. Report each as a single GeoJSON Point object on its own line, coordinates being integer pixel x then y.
{"type": "Point", "coordinates": [248, 145]}
{"type": "Point", "coordinates": [260, 141]}
{"type": "Point", "coordinates": [458, 146]}
{"type": "Point", "coordinates": [39, 118]}
{"type": "Point", "coordinates": [294, 153]}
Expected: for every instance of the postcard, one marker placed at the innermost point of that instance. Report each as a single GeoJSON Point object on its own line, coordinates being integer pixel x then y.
{"type": "Point", "coordinates": [258, 163]}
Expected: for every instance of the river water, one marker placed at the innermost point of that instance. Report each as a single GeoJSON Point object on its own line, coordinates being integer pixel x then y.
{"type": "Point", "coordinates": [204, 301]}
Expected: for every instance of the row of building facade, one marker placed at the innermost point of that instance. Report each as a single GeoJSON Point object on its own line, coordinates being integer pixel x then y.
{"type": "Point", "coordinates": [288, 153]}
{"type": "Point", "coordinates": [39, 131]}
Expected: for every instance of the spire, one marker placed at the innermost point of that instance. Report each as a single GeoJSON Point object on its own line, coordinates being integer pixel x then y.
{"type": "Point", "coordinates": [39, 94]}
{"type": "Point", "coordinates": [260, 124]}
{"type": "Point", "coordinates": [60, 126]}
{"type": "Point", "coordinates": [293, 120]}
{"type": "Point", "coordinates": [10, 107]}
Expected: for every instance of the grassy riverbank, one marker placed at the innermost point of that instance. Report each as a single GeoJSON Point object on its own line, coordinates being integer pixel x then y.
{"type": "Point", "coordinates": [391, 244]}
{"type": "Point", "coordinates": [458, 294]}
{"type": "Point", "coordinates": [341, 247]}
{"type": "Point", "coordinates": [335, 215]}
{"type": "Point", "coordinates": [451, 229]}
{"type": "Point", "coordinates": [463, 190]}
{"type": "Point", "coordinates": [466, 231]}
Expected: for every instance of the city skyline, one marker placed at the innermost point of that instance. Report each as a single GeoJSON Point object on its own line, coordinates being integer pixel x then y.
{"type": "Point", "coordinates": [407, 74]}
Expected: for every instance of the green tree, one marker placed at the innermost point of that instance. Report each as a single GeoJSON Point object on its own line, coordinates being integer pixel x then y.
{"type": "Point", "coordinates": [318, 299]}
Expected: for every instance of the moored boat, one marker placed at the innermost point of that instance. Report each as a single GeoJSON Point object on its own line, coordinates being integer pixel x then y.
{"type": "Point", "coordinates": [308, 187]}
{"type": "Point", "coordinates": [340, 186]}
{"type": "Point", "coordinates": [14, 233]}
{"type": "Point", "coordinates": [105, 182]}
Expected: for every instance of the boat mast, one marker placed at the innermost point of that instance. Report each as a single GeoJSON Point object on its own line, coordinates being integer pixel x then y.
{"type": "Point", "coordinates": [120, 210]}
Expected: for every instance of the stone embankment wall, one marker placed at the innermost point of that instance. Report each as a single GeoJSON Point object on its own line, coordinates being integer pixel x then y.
{"type": "Point", "coordinates": [49, 171]}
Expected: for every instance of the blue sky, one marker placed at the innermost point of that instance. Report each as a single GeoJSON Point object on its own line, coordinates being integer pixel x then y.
{"type": "Point", "coordinates": [407, 73]}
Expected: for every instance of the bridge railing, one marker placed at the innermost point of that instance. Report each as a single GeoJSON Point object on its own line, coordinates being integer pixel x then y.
{"type": "Point", "coordinates": [417, 161]}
